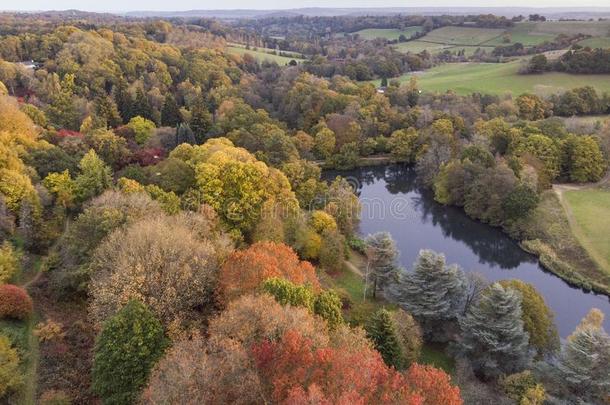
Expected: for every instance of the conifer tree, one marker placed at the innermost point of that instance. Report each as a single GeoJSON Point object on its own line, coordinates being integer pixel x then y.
{"type": "Point", "coordinates": [382, 255]}
{"type": "Point", "coordinates": [129, 345]}
{"type": "Point", "coordinates": [123, 101]}
{"type": "Point", "coordinates": [433, 293]}
{"type": "Point", "coordinates": [493, 338]}
{"type": "Point", "coordinates": [170, 113]}
{"type": "Point", "coordinates": [201, 121]}
{"type": "Point", "coordinates": [141, 106]}
{"type": "Point", "coordinates": [184, 134]}
{"type": "Point", "coordinates": [583, 365]}
{"type": "Point", "coordinates": [383, 332]}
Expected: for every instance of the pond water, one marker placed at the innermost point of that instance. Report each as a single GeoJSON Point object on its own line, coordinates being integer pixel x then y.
{"type": "Point", "coordinates": [393, 202]}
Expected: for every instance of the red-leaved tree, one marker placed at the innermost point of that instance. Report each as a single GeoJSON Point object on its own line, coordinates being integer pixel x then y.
{"type": "Point", "coordinates": [14, 302]}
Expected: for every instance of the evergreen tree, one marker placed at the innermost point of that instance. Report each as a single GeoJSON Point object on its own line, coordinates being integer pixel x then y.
{"type": "Point", "coordinates": [383, 332]}
{"type": "Point", "coordinates": [433, 293]}
{"type": "Point", "coordinates": [129, 345]}
{"type": "Point", "coordinates": [106, 109]}
{"type": "Point", "coordinates": [123, 100]}
{"type": "Point", "coordinates": [141, 106]}
{"type": "Point", "coordinates": [184, 134]}
{"type": "Point", "coordinates": [201, 121]}
{"type": "Point", "coordinates": [382, 255]}
{"type": "Point", "coordinates": [493, 337]}
{"type": "Point", "coordinates": [170, 113]}
{"type": "Point", "coordinates": [583, 365]}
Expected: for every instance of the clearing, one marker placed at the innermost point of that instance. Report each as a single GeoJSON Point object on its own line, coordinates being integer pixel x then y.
{"type": "Point", "coordinates": [264, 54]}
{"type": "Point", "coordinates": [390, 34]}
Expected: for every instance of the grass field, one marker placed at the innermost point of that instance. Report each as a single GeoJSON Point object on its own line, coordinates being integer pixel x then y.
{"type": "Point", "coordinates": [500, 78]}
{"type": "Point", "coordinates": [465, 36]}
{"type": "Point", "coordinates": [590, 209]}
{"type": "Point", "coordinates": [389, 33]}
{"type": "Point", "coordinates": [262, 54]}
{"type": "Point", "coordinates": [599, 42]}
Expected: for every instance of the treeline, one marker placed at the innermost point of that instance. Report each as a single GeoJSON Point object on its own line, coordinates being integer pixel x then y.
{"type": "Point", "coordinates": [562, 41]}
{"type": "Point", "coordinates": [577, 60]}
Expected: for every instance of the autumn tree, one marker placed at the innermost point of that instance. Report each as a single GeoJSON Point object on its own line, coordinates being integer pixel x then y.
{"type": "Point", "coordinates": [162, 262]}
{"type": "Point", "coordinates": [409, 335]}
{"type": "Point", "coordinates": [94, 177]}
{"type": "Point", "coordinates": [9, 261]}
{"type": "Point", "coordinates": [246, 269]}
{"type": "Point", "coordinates": [10, 373]}
{"type": "Point", "coordinates": [127, 348]}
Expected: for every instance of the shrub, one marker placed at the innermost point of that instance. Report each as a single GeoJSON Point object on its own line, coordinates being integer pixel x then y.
{"type": "Point", "coordinates": [14, 302]}
{"type": "Point", "coordinates": [129, 345]}
{"type": "Point", "coordinates": [10, 378]}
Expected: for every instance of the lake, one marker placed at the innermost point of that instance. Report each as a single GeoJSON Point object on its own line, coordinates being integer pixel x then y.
{"type": "Point", "coordinates": [393, 202]}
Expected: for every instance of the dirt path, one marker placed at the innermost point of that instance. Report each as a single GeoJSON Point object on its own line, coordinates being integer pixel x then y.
{"type": "Point", "coordinates": [353, 268]}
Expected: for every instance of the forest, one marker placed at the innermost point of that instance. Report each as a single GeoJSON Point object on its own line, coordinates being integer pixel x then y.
{"type": "Point", "coordinates": [167, 234]}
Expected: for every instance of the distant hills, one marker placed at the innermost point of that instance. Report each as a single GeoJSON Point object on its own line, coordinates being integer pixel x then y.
{"type": "Point", "coordinates": [552, 13]}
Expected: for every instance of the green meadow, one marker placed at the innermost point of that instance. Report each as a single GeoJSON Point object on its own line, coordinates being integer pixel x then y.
{"type": "Point", "coordinates": [389, 33]}
{"type": "Point", "coordinates": [501, 78]}
{"type": "Point", "coordinates": [262, 54]}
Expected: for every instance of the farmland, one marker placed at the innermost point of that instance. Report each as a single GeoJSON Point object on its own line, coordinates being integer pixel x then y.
{"type": "Point", "coordinates": [389, 34]}
{"type": "Point", "coordinates": [500, 78]}
{"type": "Point", "coordinates": [262, 54]}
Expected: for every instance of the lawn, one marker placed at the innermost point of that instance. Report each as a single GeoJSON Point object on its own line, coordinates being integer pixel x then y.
{"type": "Point", "coordinates": [262, 54]}
{"type": "Point", "coordinates": [590, 209]}
{"type": "Point", "coordinates": [500, 78]}
{"type": "Point", "coordinates": [387, 33]}
{"type": "Point", "coordinates": [465, 36]}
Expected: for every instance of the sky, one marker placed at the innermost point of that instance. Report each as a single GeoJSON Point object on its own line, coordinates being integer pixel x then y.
{"type": "Point", "coordinates": [178, 5]}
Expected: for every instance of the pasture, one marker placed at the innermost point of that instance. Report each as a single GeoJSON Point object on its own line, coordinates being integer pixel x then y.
{"type": "Point", "coordinates": [390, 34]}
{"type": "Point", "coordinates": [263, 54]}
{"type": "Point", "coordinates": [501, 78]}
{"type": "Point", "coordinates": [590, 208]}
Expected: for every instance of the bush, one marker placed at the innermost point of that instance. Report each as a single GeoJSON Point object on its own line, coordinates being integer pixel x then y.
{"type": "Point", "coordinates": [9, 262]}
{"type": "Point", "coordinates": [130, 344]}
{"type": "Point", "coordinates": [14, 302]}
{"type": "Point", "coordinates": [10, 378]}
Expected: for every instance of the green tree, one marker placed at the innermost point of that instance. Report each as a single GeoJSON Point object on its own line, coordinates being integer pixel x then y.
{"type": "Point", "coordinates": [170, 112]}
{"type": "Point", "coordinates": [286, 292]}
{"type": "Point", "coordinates": [327, 305]}
{"type": "Point", "coordinates": [584, 159]}
{"type": "Point", "coordinates": [324, 143]}
{"type": "Point", "coordinates": [62, 186]}
{"type": "Point", "coordinates": [10, 373]}
{"type": "Point", "coordinates": [537, 318]}
{"type": "Point", "coordinates": [141, 106]}
{"type": "Point", "coordinates": [127, 348]}
{"type": "Point", "coordinates": [184, 134]}
{"type": "Point", "coordinates": [382, 331]}
{"type": "Point", "coordinates": [332, 251]}
{"type": "Point", "coordinates": [410, 336]}
{"type": "Point", "coordinates": [143, 128]}
{"type": "Point", "coordinates": [493, 337]}
{"type": "Point", "coordinates": [201, 121]}
{"type": "Point", "coordinates": [520, 202]}
{"type": "Point", "coordinates": [9, 262]}
{"type": "Point", "coordinates": [382, 255]}
{"type": "Point", "coordinates": [94, 177]}
{"type": "Point", "coordinates": [403, 145]}
{"type": "Point", "coordinates": [433, 293]}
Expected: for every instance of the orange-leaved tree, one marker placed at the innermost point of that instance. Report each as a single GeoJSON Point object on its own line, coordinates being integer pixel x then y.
{"type": "Point", "coordinates": [245, 270]}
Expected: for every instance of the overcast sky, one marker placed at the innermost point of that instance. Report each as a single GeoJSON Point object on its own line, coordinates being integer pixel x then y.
{"type": "Point", "coordinates": [176, 5]}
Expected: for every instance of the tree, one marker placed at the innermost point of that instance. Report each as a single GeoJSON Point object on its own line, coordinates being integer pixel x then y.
{"type": "Point", "coordinates": [10, 373]}
{"type": "Point", "coordinates": [62, 186]}
{"type": "Point", "coordinates": [403, 145]}
{"type": "Point", "coordinates": [543, 148]}
{"type": "Point", "coordinates": [382, 255]}
{"type": "Point", "coordinates": [184, 134]}
{"type": "Point", "coordinates": [110, 147]}
{"type": "Point", "coordinates": [582, 366]}
{"type": "Point", "coordinates": [327, 305]}
{"type": "Point", "coordinates": [383, 332]}
{"type": "Point", "coordinates": [433, 293]}
{"type": "Point", "coordinates": [164, 262]}
{"type": "Point", "coordinates": [537, 318]}
{"type": "Point", "coordinates": [433, 384]}
{"type": "Point", "coordinates": [9, 262]}
{"type": "Point", "coordinates": [15, 303]}
{"type": "Point", "coordinates": [538, 64]}
{"type": "Point", "coordinates": [531, 107]}
{"type": "Point", "coordinates": [94, 177]}
{"type": "Point", "coordinates": [493, 337]}
{"type": "Point", "coordinates": [324, 143]}
{"type": "Point", "coordinates": [332, 251]}
{"type": "Point", "coordinates": [170, 112]}
{"type": "Point", "coordinates": [321, 222]}
{"type": "Point", "coordinates": [520, 202]}
{"type": "Point", "coordinates": [286, 293]}
{"type": "Point", "coordinates": [142, 127]}
{"type": "Point", "coordinates": [343, 205]}
{"type": "Point", "coordinates": [409, 334]}
{"type": "Point", "coordinates": [584, 159]}
{"type": "Point", "coordinates": [129, 345]}
{"type": "Point", "coordinates": [245, 270]}
{"type": "Point", "coordinates": [141, 106]}
{"type": "Point", "coordinates": [201, 121]}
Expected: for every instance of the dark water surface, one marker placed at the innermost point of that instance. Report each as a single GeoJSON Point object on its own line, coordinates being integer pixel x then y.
{"type": "Point", "coordinates": [393, 202]}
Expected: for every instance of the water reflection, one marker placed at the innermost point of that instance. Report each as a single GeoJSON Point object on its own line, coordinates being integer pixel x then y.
{"type": "Point", "coordinates": [394, 202]}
